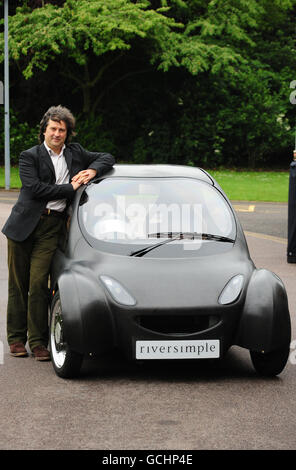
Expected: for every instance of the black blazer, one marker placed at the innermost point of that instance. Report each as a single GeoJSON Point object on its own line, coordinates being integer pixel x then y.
{"type": "Point", "coordinates": [38, 184]}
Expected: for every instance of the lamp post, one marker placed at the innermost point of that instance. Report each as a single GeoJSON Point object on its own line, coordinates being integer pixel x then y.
{"type": "Point", "coordinates": [6, 99]}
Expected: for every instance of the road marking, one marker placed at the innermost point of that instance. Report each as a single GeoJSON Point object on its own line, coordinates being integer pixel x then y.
{"type": "Point", "coordinates": [241, 208]}
{"type": "Point", "coordinates": [263, 236]}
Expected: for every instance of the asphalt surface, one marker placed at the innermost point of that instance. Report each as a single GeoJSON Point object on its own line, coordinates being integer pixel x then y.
{"type": "Point", "coordinates": [115, 405]}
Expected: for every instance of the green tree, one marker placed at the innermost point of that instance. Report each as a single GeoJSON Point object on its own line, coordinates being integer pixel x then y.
{"type": "Point", "coordinates": [236, 111]}
{"type": "Point", "coordinates": [91, 36]}
{"type": "Point", "coordinates": [88, 36]}
{"type": "Point", "coordinates": [197, 81]}
{"type": "Point", "coordinates": [246, 60]}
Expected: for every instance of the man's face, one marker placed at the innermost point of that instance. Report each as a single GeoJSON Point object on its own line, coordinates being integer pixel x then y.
{"type": "Point", "coordinates": [55, 135]}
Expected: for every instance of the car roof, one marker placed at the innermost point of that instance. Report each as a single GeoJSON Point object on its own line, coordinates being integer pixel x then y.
{"type": "Point", "coordinates": [158, 171]}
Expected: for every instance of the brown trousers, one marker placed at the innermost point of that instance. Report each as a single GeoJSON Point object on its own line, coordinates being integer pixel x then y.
{"type": "Point", "coordinates": [29, 265]}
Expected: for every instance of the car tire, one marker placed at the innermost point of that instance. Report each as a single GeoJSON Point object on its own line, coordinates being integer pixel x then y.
{"type": "Point", "coordinates": [66, 362]}
{"type": "Point", "coordinates": [271, 363]}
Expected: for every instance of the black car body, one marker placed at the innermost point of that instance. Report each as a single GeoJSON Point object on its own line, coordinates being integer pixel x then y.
{"type": "Point", "coordinates": [157, 267]}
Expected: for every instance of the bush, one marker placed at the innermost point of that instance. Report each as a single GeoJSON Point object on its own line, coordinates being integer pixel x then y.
{"type": "Point", "coordinates": [92, 136]}
{"type": "Point", "coordinates": [22, 137]}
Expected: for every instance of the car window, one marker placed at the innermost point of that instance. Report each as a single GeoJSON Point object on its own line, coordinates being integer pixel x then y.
{"type": "Point", "coordinates": [124, 213]}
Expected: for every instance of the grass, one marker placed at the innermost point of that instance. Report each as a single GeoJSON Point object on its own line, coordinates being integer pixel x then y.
{"type": "Point", "coordinates": [15, 181]}
{"type": "Point", "coordinates": [270, 186]}
{"type": "Point", "coordinates": [238, 185]}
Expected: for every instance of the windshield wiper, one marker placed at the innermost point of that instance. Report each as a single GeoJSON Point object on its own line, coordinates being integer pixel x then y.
{"type": "Point", "coordinates": [172, 236]}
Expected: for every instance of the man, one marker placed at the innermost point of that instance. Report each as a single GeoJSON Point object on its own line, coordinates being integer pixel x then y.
{"type": "Point", "coordinates": [50, 173]}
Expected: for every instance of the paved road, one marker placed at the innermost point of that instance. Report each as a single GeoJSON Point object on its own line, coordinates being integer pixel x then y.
{"type": "Point", "coordinates": [263, 217]}
{"type": "Point", "coordinates": [121, 406]}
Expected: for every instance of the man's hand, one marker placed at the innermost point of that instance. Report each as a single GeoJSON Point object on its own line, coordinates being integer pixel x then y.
{"type": "Point", "coordinates": [75, 185]}
{"type": "Point", "coordinates": [83, 177]}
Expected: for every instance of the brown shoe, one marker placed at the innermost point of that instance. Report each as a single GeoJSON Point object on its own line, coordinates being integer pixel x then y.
{"type": "Point", "coordinates": [18, 349]}
{"type": "Point", "coordinates": [41, 353]}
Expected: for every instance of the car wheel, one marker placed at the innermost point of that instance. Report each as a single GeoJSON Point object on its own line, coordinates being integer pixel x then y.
{"type": "Point", "coordinates": [271, 363]}
{"type": "Point", "coordinates": [66, 363]}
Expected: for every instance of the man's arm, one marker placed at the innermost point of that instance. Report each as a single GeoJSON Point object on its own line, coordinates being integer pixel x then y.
{"type": "Point", "coordinates": [95, 163]}
{"type": "Point", "coordinates": [40, 190]}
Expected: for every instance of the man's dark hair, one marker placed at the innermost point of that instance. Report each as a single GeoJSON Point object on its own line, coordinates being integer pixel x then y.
{"type": "Point", "coordinates": [58, 114]}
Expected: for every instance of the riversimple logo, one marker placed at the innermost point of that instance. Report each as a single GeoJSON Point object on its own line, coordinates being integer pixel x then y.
{"type": "Point", "coordinates": [293, 93]}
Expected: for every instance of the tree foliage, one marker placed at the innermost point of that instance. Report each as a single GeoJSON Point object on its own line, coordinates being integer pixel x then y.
{"type": "Point", "coordinates": [201, 82]}
{"type": "Point", "coordinates": [81, 30]}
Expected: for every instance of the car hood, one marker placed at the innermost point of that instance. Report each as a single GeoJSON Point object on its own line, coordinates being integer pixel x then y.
{"type": "Point", "coordinates": [169, 283]}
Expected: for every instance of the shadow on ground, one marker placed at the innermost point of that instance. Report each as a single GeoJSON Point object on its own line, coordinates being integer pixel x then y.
{"type": "Point", "coordinates": [235, 365]}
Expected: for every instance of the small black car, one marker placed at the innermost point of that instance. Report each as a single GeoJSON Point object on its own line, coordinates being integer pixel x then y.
{"type": "Point", "coordinates": [157, 267]}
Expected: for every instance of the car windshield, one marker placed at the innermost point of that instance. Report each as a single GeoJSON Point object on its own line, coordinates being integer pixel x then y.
{"type": "Point", "coordinates": [132, 215]}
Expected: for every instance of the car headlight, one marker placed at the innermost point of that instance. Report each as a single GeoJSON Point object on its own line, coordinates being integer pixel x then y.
{"type": "Point", "coordinates": [117, 291]}
{"type": "Point", "coordinates": [232, 290]}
